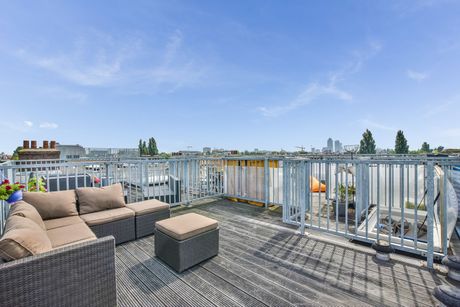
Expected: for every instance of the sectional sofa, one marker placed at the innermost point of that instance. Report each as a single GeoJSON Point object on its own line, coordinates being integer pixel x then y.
{"type": "Point", "coordinates": [58, 248]}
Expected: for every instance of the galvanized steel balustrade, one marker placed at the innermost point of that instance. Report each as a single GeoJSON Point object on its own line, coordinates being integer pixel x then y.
{"type": "Point", "coordinates": [409, 202]}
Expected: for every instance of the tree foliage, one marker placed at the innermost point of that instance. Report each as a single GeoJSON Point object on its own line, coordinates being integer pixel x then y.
{"type": "Point", "coordinates": [16, 153]}
{"type": "Point", "coordinates": [149, 149]}
{"type": "Point", "coordinates": [425, 147]}
{"type": "Point", "coordinates": [401, 146]}
{"type": "Point", "coordinates": [367, 144]}
{"type": "Point", "coordinates": [152, 147]}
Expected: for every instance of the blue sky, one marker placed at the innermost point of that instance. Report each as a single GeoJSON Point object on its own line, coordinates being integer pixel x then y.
{"type": "Point", "coordinates": [231, 74]}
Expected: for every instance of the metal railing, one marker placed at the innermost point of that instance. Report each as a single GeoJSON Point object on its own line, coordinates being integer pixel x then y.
{"type": "Point", "coordinates": [175, 181]}
{"type": "Point", "coordinates": [408, 202]}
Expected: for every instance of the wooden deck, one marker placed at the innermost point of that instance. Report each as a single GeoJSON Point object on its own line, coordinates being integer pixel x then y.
{"type": "Point", "coordinates": [263, 262]}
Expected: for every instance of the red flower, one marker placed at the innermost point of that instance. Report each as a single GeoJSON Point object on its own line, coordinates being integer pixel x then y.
{"type": "Point", "coordinates": [6, 181]}
{"type": "Point", "coordinates": [22, 186]}
{"type": "Point", "coordinates": [8, 188]}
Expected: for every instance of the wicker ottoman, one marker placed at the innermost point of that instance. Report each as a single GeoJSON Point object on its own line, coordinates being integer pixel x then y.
{"type": "Point", "coordinates": [147, 213]}
{"type": "Point", "coordinates": [186, 240]}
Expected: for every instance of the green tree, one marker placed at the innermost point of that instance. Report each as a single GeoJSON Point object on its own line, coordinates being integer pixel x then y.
{"type": "Point", "coordinates": [140, 147]}
{"type": "Point", "coordinates": [152, 147]}
{"type": "Point", "coordinates": [440, 148]}
{"type": "Point", "coordinates": [401, 146]}
{"type": "Point", "coordinates": [367, 144]}
{"type": "Point", "coordinates": [165, 155]}
{"type": "Point", "coordinates": [144, 148]}
{"type": "Point", "coordinates": [16, 153]}
{"type": "Point", "coordinates": [425, 147]}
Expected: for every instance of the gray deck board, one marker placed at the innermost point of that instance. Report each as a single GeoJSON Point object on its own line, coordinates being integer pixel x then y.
{"type": "Point", "coordinates": [263, 262]}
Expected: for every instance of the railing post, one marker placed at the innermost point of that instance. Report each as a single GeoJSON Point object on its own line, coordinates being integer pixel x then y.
{"type": "Point", "coordinates": [305, 193]}
{"type": "Point", "coordinates": [106, 175]}
{"type": "Point", "coordinates": [430, 212]}
{"type": "Point", "coordinates": [141, 181]}
{"type": "Point", "coordinates": [266, 182]}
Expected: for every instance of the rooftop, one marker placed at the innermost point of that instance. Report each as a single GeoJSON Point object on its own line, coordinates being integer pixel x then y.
{"type": "Point", "coordinates": [263, 262]}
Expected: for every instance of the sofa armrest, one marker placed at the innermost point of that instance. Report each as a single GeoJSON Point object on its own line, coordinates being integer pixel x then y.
{"type": "Point", "coordinates": [78, 275]}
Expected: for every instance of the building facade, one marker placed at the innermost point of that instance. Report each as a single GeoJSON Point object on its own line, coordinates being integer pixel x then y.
{"type": "Point", "coordinates": [71, 152]}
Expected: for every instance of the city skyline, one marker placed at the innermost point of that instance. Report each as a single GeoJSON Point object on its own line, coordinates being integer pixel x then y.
{"type": "Point", "coordinates": [230, 75]}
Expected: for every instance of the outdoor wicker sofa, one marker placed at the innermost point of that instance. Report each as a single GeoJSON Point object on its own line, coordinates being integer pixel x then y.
{"type": "Point", "coordinates": [58, 248]}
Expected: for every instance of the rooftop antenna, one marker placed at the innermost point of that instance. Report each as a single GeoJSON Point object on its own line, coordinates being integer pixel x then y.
{"type": "Point", "coordinates": [351, 149]}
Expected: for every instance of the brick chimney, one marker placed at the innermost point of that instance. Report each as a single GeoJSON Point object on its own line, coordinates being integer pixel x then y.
{"type": "Point", "coordinates": [25, 144]}
{"type": "Point", "coordinates": [53, 144]}
{"type": "Point", "coordinates": [33, 144]}
{"type": "Point", "coordinates": [45, 144]}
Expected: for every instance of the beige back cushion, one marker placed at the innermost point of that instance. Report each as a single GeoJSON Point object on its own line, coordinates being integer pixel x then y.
{"type": "Point", "coordinates": [22, 238]}
{"type": "Point", "coordinates": [53, 205]}
{"type": "Point", "coordinates": [98, 199]}
{"type": "Point", "coordinates": [26, 210]}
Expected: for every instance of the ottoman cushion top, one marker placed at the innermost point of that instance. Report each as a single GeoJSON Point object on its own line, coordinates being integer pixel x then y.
{"type": "Point", "coordinates": [148, 206]}
{"type": "Point", "coordinates": [186, 226]}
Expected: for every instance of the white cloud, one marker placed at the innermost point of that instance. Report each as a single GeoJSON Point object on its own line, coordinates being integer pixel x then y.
{"type": "Point", "coordinates": [99, 60]}
{"type": "Point", "coordinates": [309, 94]}
{"type": "Point", "coordinates": [367, 123]}
{"type": "Point", "coordinates": [18, 126]}
{"type": "Point", "coordinates": [48, 125]}
{"type": "Point", "coordinates": [315, 90]}
{"type": "Point", "coordinates": [417, 75]}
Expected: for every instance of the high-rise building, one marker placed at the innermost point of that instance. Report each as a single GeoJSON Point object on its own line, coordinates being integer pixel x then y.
{"type": "Point", "coordinates": [206, 150]}
{"type": "Point", "coordinates": [330, 145]}
{"type": "Point", "coordinates": [337, 146]}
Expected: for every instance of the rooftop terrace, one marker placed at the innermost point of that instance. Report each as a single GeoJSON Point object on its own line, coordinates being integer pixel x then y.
{"type": "Point", "coordinates": [263, 262]}
{"type": "Point", "coordinates": [299, 248]}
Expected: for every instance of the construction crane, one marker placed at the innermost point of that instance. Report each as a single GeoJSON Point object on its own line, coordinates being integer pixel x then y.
{"type": "Point", "coordinates": [301, 147]}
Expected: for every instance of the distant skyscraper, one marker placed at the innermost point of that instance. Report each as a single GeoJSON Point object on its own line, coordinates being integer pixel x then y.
{"type": "Point", "coordinates": [338, 146]}
{"type": "Point", "coordinates": [330, 145]}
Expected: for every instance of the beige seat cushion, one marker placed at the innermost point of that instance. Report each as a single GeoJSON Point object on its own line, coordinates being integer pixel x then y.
{"type": "Point", "coordinates": [107, 216]}
{"type": "Point", "coordinates": [53, 205]}
{"type": "Point", "coordinates": [26, 210]}
{"type": "Point", "coordinates": [76, 242]}
{"type": "Point", "coordinates": [23, 238]}
{"type": "Point", "coordinates": [97, 199]}
{"type": "Point", "coordinates": [63, 221]}
{"type": "Point", "coordinates": [70, 234]}
{"type": "Point", "coordinates": [186, 226]}
{"type": "Point", "coordinates": [148, 206]}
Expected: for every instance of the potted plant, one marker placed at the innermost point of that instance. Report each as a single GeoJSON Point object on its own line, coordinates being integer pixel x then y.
{"type": "Point", "coordinates": [36, 185]}
{"type": "Point", "coordinates": [11, 192]}
{"type": "Point", "coordinates": [342, 198]}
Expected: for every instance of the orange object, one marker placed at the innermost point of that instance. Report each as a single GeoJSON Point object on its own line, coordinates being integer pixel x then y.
{"type": "Point", "coordinates": [316, 186]}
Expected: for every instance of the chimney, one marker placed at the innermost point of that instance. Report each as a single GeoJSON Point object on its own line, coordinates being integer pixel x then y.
{"type": "Point", "coordinates": [45, 144]}
{"type": "Point", "coordinates": [25, 144]}
{"type": "Point", "coordinates": [33, 144]}
{"type": "Point", "coordinates": [53, 144]}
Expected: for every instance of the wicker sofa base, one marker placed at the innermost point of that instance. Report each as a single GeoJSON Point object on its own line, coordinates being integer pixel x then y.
{"type": "Point", "coordinates": [181, 255]}
{"type": "Point", "coordinates": [145, 224]}
{"type": "Point", "coordinates": [122, 230]}
{"type": "Point", "coordinates": [82, 274]}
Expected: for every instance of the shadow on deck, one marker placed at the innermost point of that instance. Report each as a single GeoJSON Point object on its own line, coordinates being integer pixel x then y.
{"type": "Point", "coordinates": [264, 262]}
